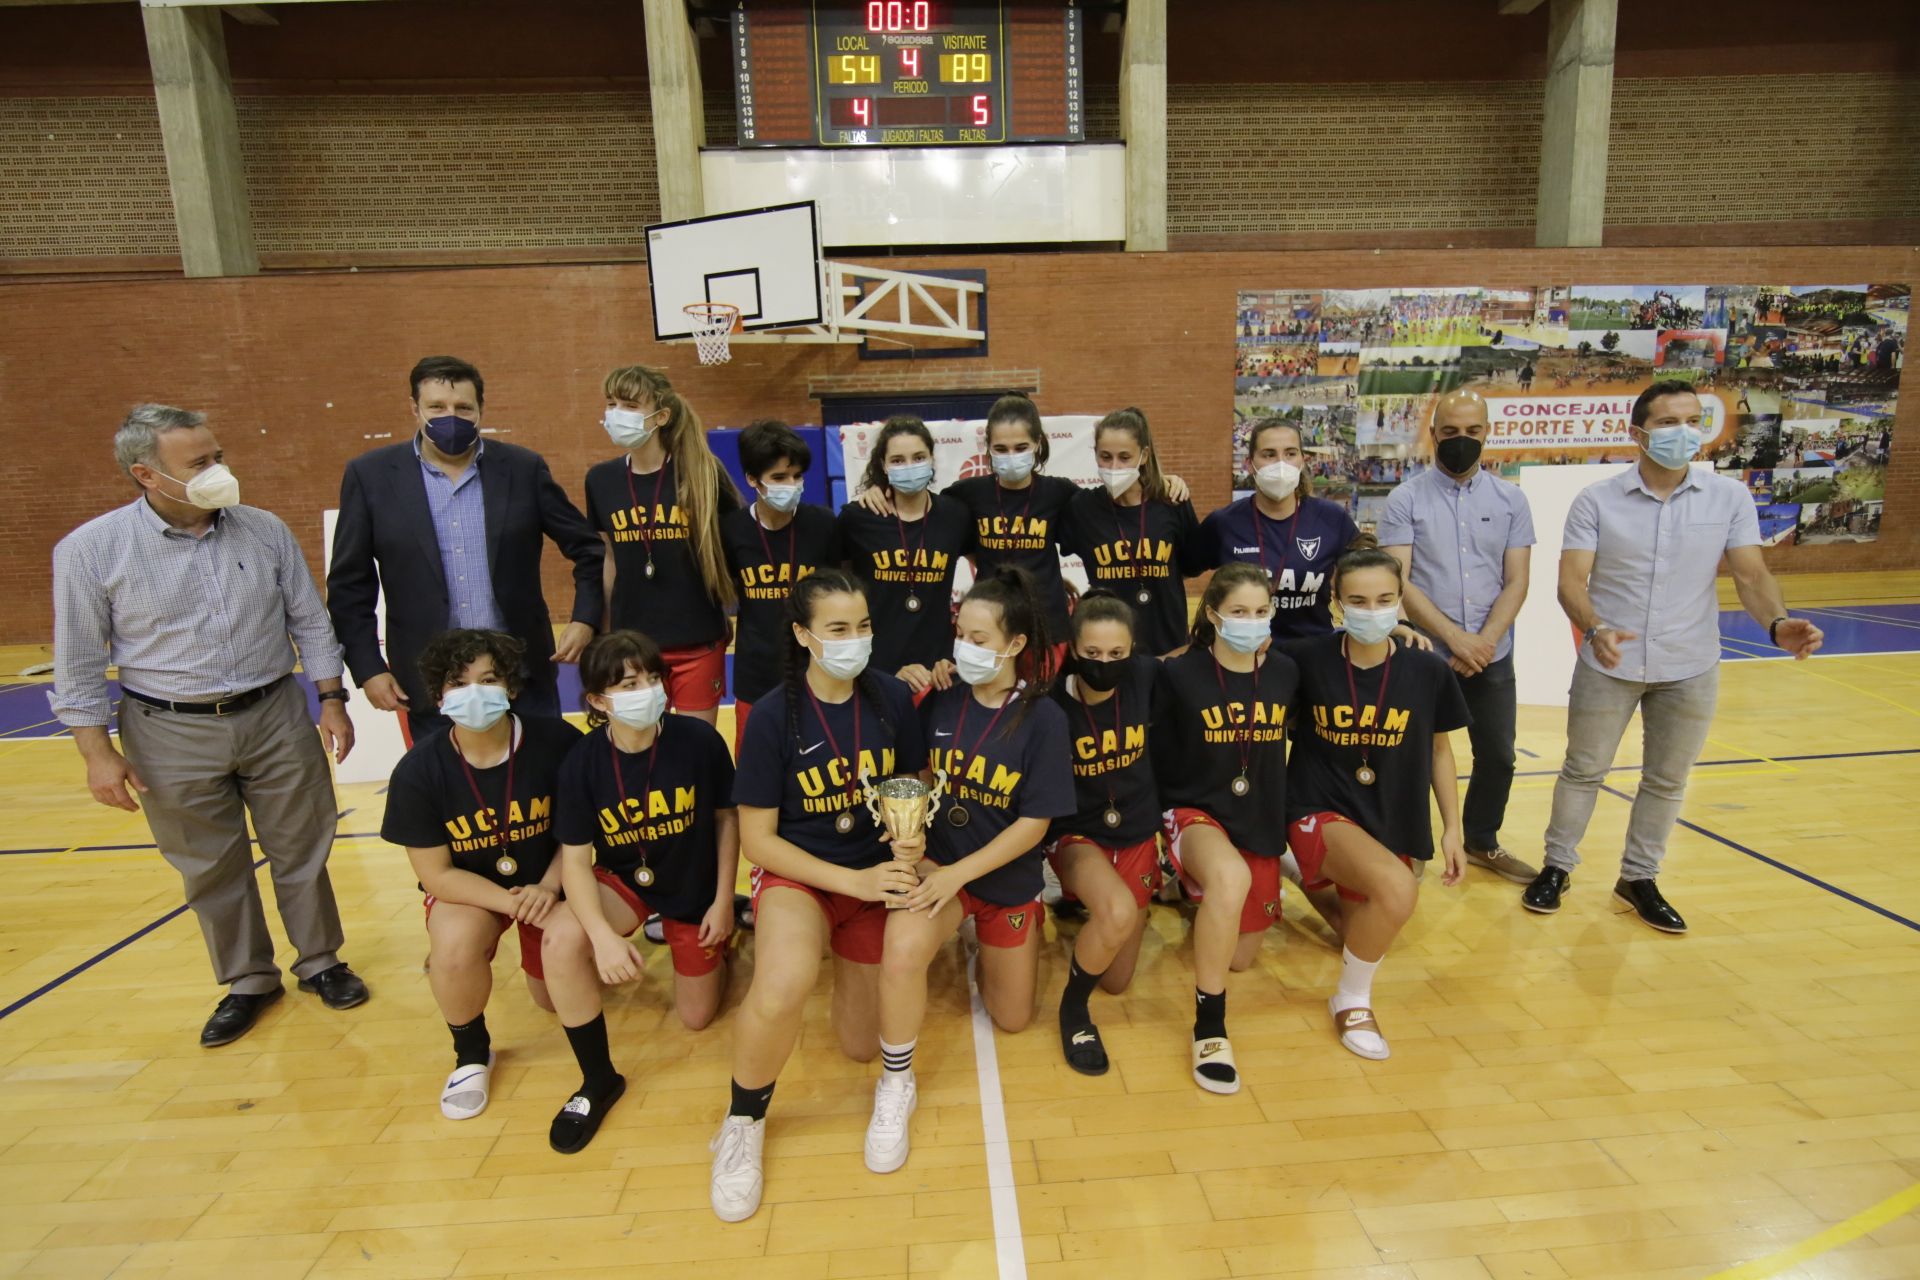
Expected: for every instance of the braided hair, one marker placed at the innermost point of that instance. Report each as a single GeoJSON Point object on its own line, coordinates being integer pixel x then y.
{"type": "Point", "coordinates": [802, 603]}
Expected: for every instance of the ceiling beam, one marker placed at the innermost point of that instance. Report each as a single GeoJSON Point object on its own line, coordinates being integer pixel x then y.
{"type": "Point", "coordinates": [1515, 7]}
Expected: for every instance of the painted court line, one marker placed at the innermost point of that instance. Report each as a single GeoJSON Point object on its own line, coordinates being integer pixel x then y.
{"type": "Point", "coordinates": [1867, 1220]}
{"type": "Point", "coordinates": [1007, 1241]}
{"type": "Point", "coordinates": [1778, 865]}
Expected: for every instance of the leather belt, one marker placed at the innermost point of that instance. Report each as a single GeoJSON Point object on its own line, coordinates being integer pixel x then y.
{"type": "Point", "coordinates": [224, 707]}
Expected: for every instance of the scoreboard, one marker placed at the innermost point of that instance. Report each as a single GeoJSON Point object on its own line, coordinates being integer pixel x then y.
{"type": "Point", "coordinates": [863, 73]}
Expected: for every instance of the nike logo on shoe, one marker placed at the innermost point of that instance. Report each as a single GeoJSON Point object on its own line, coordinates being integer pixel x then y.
{"type": "Point", "coordinates": [1211, 1047]}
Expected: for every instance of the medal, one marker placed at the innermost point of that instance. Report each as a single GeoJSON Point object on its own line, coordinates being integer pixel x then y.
{"type": "Point", "coordinates": [1144, 596]}
{"type": "Point", "coordinates": [1111, 817]}
{"type": "Point", "coordinates": [1240, 785]}
{"type": "Point", "coordinates": [505, 864]}
{"type": "Point", "coordinates": [844, 823]}
{"type": "Point", "coordinates": [643, 875]}
{"type": "Point", "coordinates": [913, 604]}
{"type": "Point", "coordinates": [907, 552]}
{"type": "Point", "coordinates": [957, 812]}
{"type": "Point", "coordinates": [1365, 775]}
{"type": "Point", "coordinates": [646, 526]}
{"type": "Point", "coordinates": [1243, 735]}
{"type": "Point", "coordinates": [958, 816]}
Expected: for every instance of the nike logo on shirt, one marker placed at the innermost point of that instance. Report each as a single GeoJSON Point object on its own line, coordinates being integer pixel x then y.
{"type": "Point", "coordinates": [807, 751]}
{"type": "Point", "coordinates": [943, 733]}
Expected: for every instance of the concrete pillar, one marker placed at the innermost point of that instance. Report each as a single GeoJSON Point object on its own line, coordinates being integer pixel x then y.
{"type": "Point", "coordinates": [1579, 106]}
{"type": "Point", "coordinates": [679, 118]}
{"type": "Point", "coordinates": [194, 93]}
{"type": "Point", "coordinates": [1143, 122]}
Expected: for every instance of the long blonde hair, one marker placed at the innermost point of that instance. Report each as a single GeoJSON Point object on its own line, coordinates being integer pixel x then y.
{"type": "Point", "coordinates": [699, 475]}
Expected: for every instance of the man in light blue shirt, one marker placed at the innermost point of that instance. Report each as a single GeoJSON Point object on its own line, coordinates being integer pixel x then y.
{"type": "Point", "coordinates": [1637, 575]}
{"type": "Point", "coordinates": [1464, 537]}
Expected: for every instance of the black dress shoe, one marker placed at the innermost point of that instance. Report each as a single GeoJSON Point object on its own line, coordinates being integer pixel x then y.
{"type": "Point", "coordinates": [1543, 895]}
{"type": "Point", "coordinates": [1644, 897]}
{"type": "Point", "coordinates": [234, 1016]}
{"type": "Point", "coordinates": [338, 987]}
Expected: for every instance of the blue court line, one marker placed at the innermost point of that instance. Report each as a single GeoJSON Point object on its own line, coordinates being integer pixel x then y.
{"type": "Point", "coordinates": [1778, 865]}
{"type": "Point", "coordinates": [87, 964]}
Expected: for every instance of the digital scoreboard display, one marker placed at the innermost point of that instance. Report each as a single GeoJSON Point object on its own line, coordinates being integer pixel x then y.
{"type": "Point", "coordinates": [906, 73]}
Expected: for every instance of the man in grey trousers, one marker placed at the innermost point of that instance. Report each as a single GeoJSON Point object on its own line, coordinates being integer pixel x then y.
{"type": "Point", "coordinates": [199, 602]}
{"type": "Point", "coordinates": [1637, 569]}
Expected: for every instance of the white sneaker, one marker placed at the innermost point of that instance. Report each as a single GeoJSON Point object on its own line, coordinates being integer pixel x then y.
{"type": "Point", "coordinates": [737, 1182]}
{"type": "Point", "coordinates": [895, 1098]}
{"type": "Point", "coordinates": [464, 1095]}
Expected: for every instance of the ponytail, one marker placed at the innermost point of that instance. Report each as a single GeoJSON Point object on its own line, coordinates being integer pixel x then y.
{"type": "Point", "coordinates": [1011, 590]}
{"type": "Point", "coordinates": [699, 475]}
{"type": "Point", "coordinates": [1364, 553]}
{"type": "Point", "coordinates": [1227, 579]}
{"type": "Point", "coordinates": [802, 602]}
{"type": "Point", "coordinates": [1153, 483]}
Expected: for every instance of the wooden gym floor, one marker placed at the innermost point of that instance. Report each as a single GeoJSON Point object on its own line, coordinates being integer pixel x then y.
{"type": "Point", "coordinates": [1574, 1096]}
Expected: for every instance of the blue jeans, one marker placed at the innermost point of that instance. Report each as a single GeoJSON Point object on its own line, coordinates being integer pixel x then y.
{"type": "Point", "coordinates": [1675, 716]}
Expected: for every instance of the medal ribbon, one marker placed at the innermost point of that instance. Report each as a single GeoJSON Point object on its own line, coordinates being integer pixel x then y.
{"type": "Point", "coordinates": [1119, 531]}
{"type": "Point", "coordinates": [1243, 735]}
{"type": "Point", "coordinates": [960, 726]}
{"type": "Point", "coordinates": [793, 553]}
{"type": "Point", "coordinates": [513, 749]}
{"type": "Point", "coordinates": [1094, 729]}
{"type": "Point", "coordinates": [853, 765]}
{"type": "Point", "coordinates": [646, 526]}
{"type": "Point", "coordinates": [620, 781]}
{"type": "Point", "coordinates": [1353, 693]}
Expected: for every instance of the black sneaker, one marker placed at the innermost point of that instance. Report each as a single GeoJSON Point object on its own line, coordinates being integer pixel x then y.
{"type": "Point", "coordinates": [234, 1016]}
{"type": "Point", "coordinates": [1543, 895]}
{"type": "Point", "coordinates": [338, 987]}
{"type": "Point", "coordinates": [1643, 897]}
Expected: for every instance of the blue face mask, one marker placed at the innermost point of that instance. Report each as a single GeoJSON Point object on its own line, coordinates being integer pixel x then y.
{"type": "Point", "coordinates": [1243, 635]}
{"type": "Point", "coordinates": [1012, 467]}
{"type": "Point", "coordinates": [1371, 626]}
{"type": "Point", "coordinates": [474, 706]}
{"type": "Point", "coordinates": [911, 477]}
{"type": "Point", "coordinates": [452, 434]}
{"type": "Point", "coordinates": [782, 497]}
{"type": "Point", "coordinates": [1673, 447]}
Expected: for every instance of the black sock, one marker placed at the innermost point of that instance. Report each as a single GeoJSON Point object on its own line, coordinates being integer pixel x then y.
{"type": "Point", "coordinates": [751, 1103]}
{"type": "Point", "coordinates": [1073, 1001]}
{"type": "Point", "coordinates": [589, 1043]}
{"type": "Point", "coordinates": [1209, 1015]}
{"type": "Point", "coordinates": [471, 1043]}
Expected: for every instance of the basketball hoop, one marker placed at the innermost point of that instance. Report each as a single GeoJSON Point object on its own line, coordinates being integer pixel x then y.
{"type": "Point", "coordinates": [713, 322]}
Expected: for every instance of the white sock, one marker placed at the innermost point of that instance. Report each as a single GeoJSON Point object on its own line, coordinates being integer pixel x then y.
{"type": "Point", "coordinates": [898, 1058]}
{"type": "Point", "coordinates": [1356, 982]}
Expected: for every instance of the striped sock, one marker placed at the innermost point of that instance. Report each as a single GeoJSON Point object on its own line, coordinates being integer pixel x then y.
{"type": "Point", "coordinates": [898, 1057]}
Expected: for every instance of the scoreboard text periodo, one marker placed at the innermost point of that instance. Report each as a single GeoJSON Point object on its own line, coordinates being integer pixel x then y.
{"type": "Point", "coordinates": [906, 73]}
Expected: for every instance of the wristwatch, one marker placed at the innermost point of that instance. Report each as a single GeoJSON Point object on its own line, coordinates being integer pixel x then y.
{"type": "Point", "coordinates": [1594, 630]}
{"type": "Point", "coordinates": [1773, 631]}
{"type": "Point", "coordinates": [334, 695]}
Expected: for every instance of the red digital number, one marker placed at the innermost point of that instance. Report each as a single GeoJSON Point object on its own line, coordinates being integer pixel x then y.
{"type": "Point", "coordinates": [892, 17]}
{"type": "Point", "coordinates": [982, 110]}
{"type": "Point", "coordinates": [910, 63]}
{"type": "Point", "coordinates": [863, 111]}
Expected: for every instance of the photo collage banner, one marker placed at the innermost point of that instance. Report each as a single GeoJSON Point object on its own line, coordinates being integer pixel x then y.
{"type": "Point", "coordinates": [1799, 383]}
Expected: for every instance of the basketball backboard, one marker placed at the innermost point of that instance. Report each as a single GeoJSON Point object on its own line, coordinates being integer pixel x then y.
{"type": "Point", "coordinates": [764, 261]}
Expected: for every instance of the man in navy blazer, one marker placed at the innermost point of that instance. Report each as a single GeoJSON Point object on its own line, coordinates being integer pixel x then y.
{"type": "Point", "coordinates": [451, 527]}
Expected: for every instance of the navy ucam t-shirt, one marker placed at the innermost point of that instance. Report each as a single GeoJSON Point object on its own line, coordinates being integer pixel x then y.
{"type": "Point", "coordinates": [1298, 553]}
{"type": "Point", "coordinates": [997, 771]}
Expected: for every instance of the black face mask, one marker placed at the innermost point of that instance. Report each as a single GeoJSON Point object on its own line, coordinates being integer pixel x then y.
{"type": "Point", "coordinates": [1458, 454]}
{"type": "Point", "coordinates": [1098, 674]}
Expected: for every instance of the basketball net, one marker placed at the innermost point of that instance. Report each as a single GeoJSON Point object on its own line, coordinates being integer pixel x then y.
{"type": "Point", "coordinates": [713, 323]}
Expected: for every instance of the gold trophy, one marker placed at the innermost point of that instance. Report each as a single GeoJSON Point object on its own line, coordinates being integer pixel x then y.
{"type": "Point", "coordinates": [903, 805]}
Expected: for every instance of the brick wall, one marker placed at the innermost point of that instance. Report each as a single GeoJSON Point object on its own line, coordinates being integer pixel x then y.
{"type": "Point", "coordinates": [83, 175]}
{"type": "Point", "coordinates": [300, 373]}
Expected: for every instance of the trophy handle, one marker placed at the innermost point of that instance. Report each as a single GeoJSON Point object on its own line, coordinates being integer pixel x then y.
{"type": "Point", "coordinates": [872, 796]}
{"type": "Point", "coordinates": [933, 797]}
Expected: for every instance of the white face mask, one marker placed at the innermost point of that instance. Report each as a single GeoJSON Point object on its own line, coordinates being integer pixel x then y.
{"type": "Point", "coordinates": [1277, 480]}
{"type": "Point", "coordinates": [629, 428]}
{"type": "Point", "coordinates": [212, 489]}
{"type": "Point", "coordinates": [1120, 479]}
{"type": "Point", "coordinates": [844, 659]}
{"type": "Point", "coordinates": [976, 663]}
{"type": "Point", "coordinates": [638, 708]}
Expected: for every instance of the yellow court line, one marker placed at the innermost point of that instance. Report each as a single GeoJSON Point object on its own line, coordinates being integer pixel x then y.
{"type": "Point", "coordinates": [1894, 1206]}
